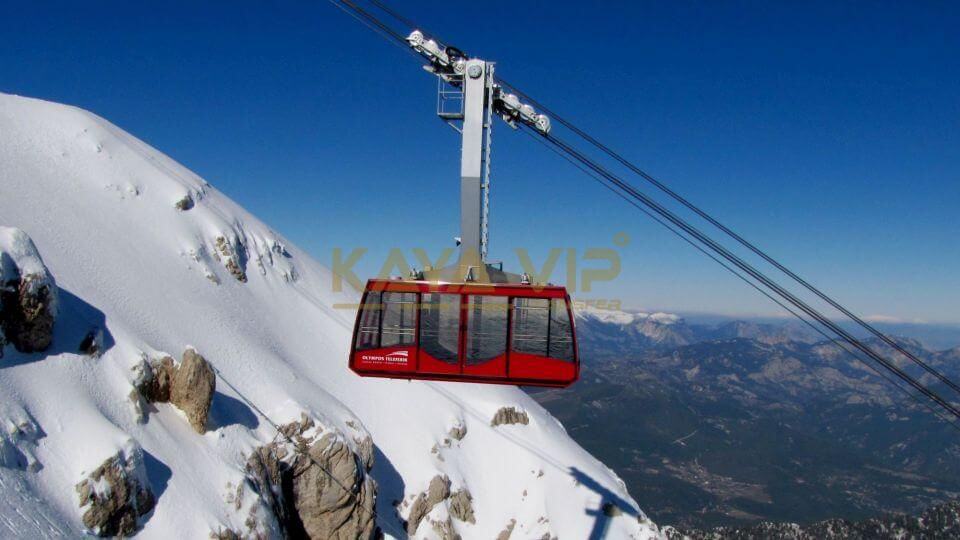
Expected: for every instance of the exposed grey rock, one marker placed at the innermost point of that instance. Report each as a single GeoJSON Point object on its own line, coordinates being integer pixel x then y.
{"type": "Point", "coordinates": [507, 531]}
{"type": "Point", "coordinates": [461, 506]}
{"type": "Point", "coordinates": [116, 495]}
{"type": "Point", "coordinates": [185, 203]}
{"type": "Point", "coordinates": [444, 529]}
{"type": "Point", "coordinates": [510, 415]}
{"type": "Point", "coordinates": [437, 492]}
{"type": "Point", "coordinates": [231, 258]}
{"type": "Point", "coordinates": [458, 432]}
{"type": "Point", "coordinates": [189, 386]}
{"type": "Point", "coordinates": [365, 451]}
{"type": "Point", "coordinates": [192, 389]}
{"type": "Point", "coordinates": [340, 507]}
{"type": "Point", "coordinates": [265, 475]}
{"type": "Point", "coordinates": [29, 326]}
{"type": "Point", "coordinates": [28, 294]}
{"type": "Point", "coordinates": [156, 379]}
{"type": "Point", "coordinates": [435, 450]}
{"type": "Point", "coordinates": [316, 488]}
{"type": "Point", "coordinates": [225, 534]}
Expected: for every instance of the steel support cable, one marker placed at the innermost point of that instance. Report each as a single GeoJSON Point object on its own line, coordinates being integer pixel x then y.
{"type": "Point", "coordinates": [753, 272]}
{"type": "Point", "coordinates": [374, 24]}
{"type": "Point", "coordinates": [410, 24]}
{"type": "Point", "coordinates": [733, 234]}
{"type": "Point", "coordinates": [836, 342]}
{"type": "Point", "coordinates": [374, 21]}
{"type": "Point", "coordinates": [726, 254]}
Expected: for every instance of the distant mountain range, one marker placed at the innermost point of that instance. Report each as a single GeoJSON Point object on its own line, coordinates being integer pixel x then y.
{"type": "Point", "coordinates": [734, 422]}
{"type": "Point", "coordinates": [940, 521]}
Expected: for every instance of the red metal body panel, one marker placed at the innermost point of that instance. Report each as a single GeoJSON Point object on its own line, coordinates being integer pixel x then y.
{"type": "Point", "coordinates": [429, 364]}
{"type": "Point", "coordinates": [495, 367]}
{"type": "Point", "coordinates": [530, 366]}
{"type": "Point", "coordinates": [412, 362]}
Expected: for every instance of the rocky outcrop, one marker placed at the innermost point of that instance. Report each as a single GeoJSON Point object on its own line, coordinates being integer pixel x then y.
{"type": "Point", "coordinates": [192, 389]}
{"type": "Point", "coordinates": [184, 203]}
{"type": "Point", "coordinates": [116, 495]}
{"type": "Point", "coordinates": [444, 529]}
{"type": "Point", "coordinates": [458, 432]}
{"type": "Point", "coordinates": [364, 449]}
{"type": "Point", "coordinates": [155, 378]}
{"type": "Point", "coordinates": [189, 386]}
{"type": "Point", "coordinates": [231, 257]}
{"type": "Point", "coordinates": [461, 506]}
{"type": "Point", "coordinates": [28, 294]}
{"type": "Point", "coordinates": [507, 531]}
{"type": "Point", "coordinates": [323, 492]}
{"type": "Point", "coordinates": [225, 534]}
{"type": "Point", "coordinates": [510, 415]}
{"type": "Point", "coordinates": [437, 492]}
{"type": "Point", "coordinates": [313, 485]}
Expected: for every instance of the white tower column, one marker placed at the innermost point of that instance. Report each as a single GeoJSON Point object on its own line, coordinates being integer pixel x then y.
{"type": "Point", "coordinates": [475, 133]}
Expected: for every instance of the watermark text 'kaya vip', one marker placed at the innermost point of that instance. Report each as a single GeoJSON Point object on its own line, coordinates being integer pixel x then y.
{"type": "Point", "coordinates": [603, 264]}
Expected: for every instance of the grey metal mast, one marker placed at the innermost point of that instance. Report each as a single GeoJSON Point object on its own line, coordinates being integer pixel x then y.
{"type": "Point", "coordinates": [468, 93]}
{"type": "Point", "coordinates": [474, 160]}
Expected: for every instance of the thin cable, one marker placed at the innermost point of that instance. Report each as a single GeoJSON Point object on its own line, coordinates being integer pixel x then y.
{"type": "Point", "coordinates": [372, 23]}
{"type": "Point", "coordinates": [400, 18]}
{"type": "Point", "coordinates": [833, 340]}
{"type": "Point", "coordinates": [756, 275]}
{"type": "Point", "coordinates": [753, 272]}
{"type": "Point", "coordinates": [729, 232]}
{"type": "Point", "coordinates": [410, 24]}
{"type": "Point", "coordinates": [276, 427]}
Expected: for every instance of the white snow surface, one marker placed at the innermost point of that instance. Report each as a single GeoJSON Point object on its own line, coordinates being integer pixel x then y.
{"type": "Point", "coordinates": [99, 205]}
{"type": "Point", "coordinates": [624, 318]}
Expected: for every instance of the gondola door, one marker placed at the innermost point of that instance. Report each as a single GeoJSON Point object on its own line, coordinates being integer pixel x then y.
{"type": "Point", "coordinates": [485, 335]}
{"type": "Point", "coordinates": [439, 350]}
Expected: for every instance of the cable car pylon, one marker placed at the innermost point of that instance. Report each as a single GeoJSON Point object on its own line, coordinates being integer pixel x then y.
{"type": "Point", "coordinates": [471, 321]}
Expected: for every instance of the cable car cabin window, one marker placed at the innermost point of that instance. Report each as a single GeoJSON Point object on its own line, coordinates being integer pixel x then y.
{"type": "Point", "coordinates": [561, 333]}
{"type": "Point", "coordinates": [531, 322]}
{"type": "Point", "coordinates": [440, 326]}
{"type": "Point", "coordinates": [368, 333]}
{"type": "Point", "coordinates": [399, 319]}
{"type": "Point", "coordinates": [486, 328]}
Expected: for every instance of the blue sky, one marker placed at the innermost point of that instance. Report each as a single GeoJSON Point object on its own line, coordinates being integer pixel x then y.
{"type": "Point", "coordinates": [828, 133]}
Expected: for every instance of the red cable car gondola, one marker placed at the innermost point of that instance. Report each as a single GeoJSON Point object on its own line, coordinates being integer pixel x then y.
{"type": "Point", "coordinates": [471, 332]}
{"type": "Point", "coordinates": [491, 327]}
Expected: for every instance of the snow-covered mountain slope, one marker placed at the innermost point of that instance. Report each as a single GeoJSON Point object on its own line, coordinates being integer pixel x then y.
{"type": "Point", "coordinates": [159, 260]}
